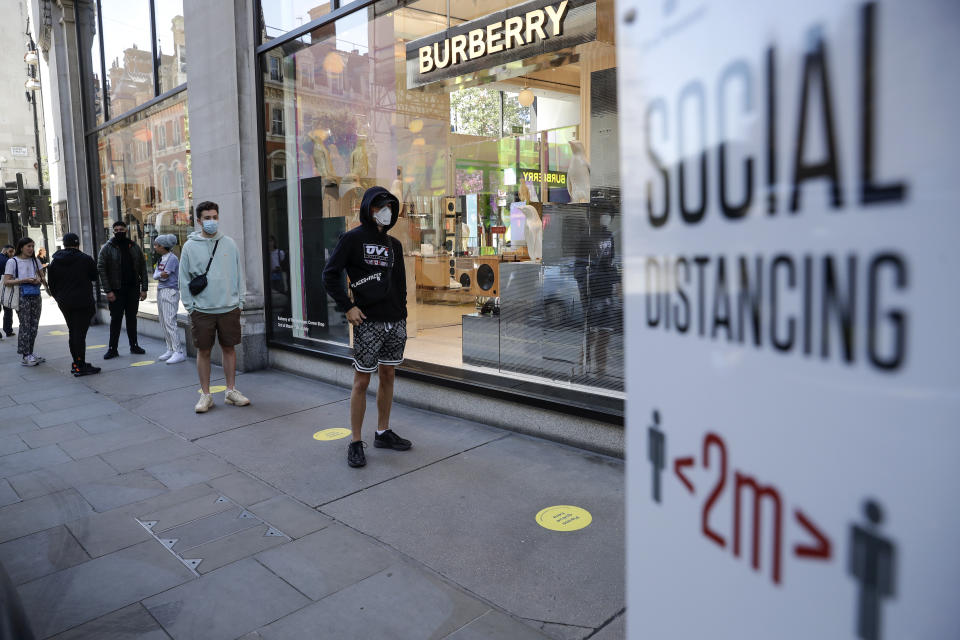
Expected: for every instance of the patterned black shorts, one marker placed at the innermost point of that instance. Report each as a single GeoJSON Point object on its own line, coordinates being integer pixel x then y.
{"type": "Point", "coordinates": [376, 343]}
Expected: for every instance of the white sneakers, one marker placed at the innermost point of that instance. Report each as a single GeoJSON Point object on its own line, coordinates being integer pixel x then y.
{"type": "Point", "coordinates": [29, 360]}
{"type": "Point", "coordinates": [165, 355]}
{"type": "Point", "coordinates": [177, 356]}
{"type": "Point", "coordinates": [236, 398]}
{"type": "Point", "coordinates": [232, 396]}
{"type": "Point", "coordinates": [205, 403]}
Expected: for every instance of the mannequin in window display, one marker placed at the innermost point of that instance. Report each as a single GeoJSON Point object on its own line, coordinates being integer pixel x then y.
{"type": "Point", "coordinates": [578, 174]}
{"type": "Point", "coordinates": [534, 233]}
{"type": "Point", "coordinates": [359, 161]}
{"type": "Point", "coordinates": [321, 156]}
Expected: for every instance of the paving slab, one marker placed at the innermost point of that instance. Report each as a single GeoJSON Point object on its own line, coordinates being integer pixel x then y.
{"type": "Point", "coordinates": [188, 470]}
{"type": "Point", "coordinates": [237, 546]}
{"type": "Point", "coordinates": [242, 489]}
{"type": "Point", "coordinates": [208, 529]}
{"type": "Point", "coordinates": [122, 419]}
{"type": "Point", "coordinates": [269, 399]}
{"type": "Point", "coordinates": [226, 603]}
{"type": "Point", "coordinates": [21, 412]}
{"type": "Point", "coordinates": [112, 440]}
{"type": "Point", "coordinates": [7, 494]}
{"type": "Point", "coordinates": [11, 443]}
{"type": "Point", "coordinates": [104, 533]}
{"type": "Point", "coordinates": [88, 591]}
{"type": "Point", "coordinates": [24, 461]}
{"type": "Point", "coordinates": [443, 516]}
{"type": "Point", "coordinates": [61, 476]}
{"type": "Point", "coordinates": [56, 391]}
{"type": "Point", "coordinates": [293, 518]}
{"type": "Point", "coordinates": [494, 625]}
{"type": "Point", "coordinates": [327, 561]}
{"type": "Point", "coordinates": [6, 401]}
{"type": "Point", "coordinates": [561, 631]}
{"type": "Point", "coordinates": [115, 491]}
{"type": "Point", "coordinates": [37, 514]}
{"type": "Point", "coordinates": [41, 553]}
{"type": "Point", "coordinates": [144, 454]}
{"type": "Point", "coordinates": [398, 602]}
{"type": "Point", "coordinates": [284, 453]}
{"type": "Point", "coordinates": [130, 623]}
{"type": "Point", "coordinates": [129, 383]}
{"type": "Point", "coordinates": [74, 400]}
{"type": "Point", "coordinates": [53, 435]}
{"type": "Point", "coordinates": [203, 504]}
{"type": "Point", "coordinates": [12, 426]}
{"type": "Point", "coordinates": [103, 406]}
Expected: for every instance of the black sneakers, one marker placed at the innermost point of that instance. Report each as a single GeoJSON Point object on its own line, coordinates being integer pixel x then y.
{"type": "Point", "coordinates": [355, 457]}
{"type": "Point", "coordinates": [137, 349]}
{"type": "Point", "coordinates": [111, 353]}
{"type": "Point", "coordinates": [390, 440]}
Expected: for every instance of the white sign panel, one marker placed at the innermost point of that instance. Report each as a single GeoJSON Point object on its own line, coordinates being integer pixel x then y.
{"type": "Point", "coordinates": [19, 151]}
{"type": "Point", "coordinates": [793, 348]}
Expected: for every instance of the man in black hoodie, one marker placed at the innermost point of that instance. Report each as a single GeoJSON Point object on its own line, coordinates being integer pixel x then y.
{"type": "Point", "coordinates": [70, 277]}
{"type": "Point", "coordinates": [123, 277]}
{"type": "Point", "coordinates": [373, 262]}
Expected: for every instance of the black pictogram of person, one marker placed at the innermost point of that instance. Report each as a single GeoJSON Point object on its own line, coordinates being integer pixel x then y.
{"type": "Point", "coordinates": [872, 565]}
{"type": "Point", "coordinates": [656, 452]}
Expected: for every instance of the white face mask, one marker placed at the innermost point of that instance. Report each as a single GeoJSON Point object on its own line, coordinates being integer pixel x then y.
{"type": "Point", "coordinates": [384, 216]}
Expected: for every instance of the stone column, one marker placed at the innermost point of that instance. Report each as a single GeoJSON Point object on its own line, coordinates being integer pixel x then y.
{"type": "Point", "coordinates": [222, 108]}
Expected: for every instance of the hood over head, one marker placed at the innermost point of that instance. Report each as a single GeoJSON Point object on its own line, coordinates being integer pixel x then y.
{"type": "Point", "coordinates": [378, 196]}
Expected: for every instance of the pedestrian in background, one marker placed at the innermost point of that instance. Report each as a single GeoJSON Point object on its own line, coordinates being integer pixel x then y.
{"type": "Point", "coordinates": [24, 271]}
{"type": "Point", "coordinates": [72, 276]}
{"type": "Point", "coordinates": [42, 256]}
{"type": "Point", "coordinates": [212, 287]}
{"type": "Point", "coordinates": [168, 296]}
{"type": "Point", "coordinates": [5, 254]}
{"type": "Point", "coordinates": [123, 277]}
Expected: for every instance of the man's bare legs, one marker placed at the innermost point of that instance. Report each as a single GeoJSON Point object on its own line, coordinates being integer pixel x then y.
{"type": "Point", "coordinates": [203, 369]}
{"type": "Point", "coordinates": [229, 366]}
{"type": "Point", "coordinates": [385, 395]}
{"type": "Point", "coordinates": [358, 402]}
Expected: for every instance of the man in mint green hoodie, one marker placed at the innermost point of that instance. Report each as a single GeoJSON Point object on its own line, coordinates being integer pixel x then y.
{"type": "Point", "coordinates": [214, 310]}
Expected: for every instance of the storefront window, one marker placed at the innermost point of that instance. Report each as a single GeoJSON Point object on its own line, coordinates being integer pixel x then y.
{"type": "Point", "coordinates": [128, 53]}
{"type": "Point", "coordinates": [144, 183]}
{"type": "Point", "coordinates": [171, 44]}
{"type": "Point", "coordinates": [510, 238]}
{"type": "Point", "coordinates": [88, 30]}
{"type": "Point", "coordinates": [279, 16]}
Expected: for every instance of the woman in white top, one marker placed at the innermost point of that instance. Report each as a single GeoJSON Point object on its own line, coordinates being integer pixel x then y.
{"type": "Point", "coordinates": [168, 297]}
{"type": "Point", "coordinates": [26, 272]}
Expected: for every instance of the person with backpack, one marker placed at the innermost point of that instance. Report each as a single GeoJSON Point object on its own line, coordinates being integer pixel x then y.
{"type": "Point", "coordinates": [123, 277]}
{"type": "Point", "coordinates": [72, 275]}
{"type": "Point", "coordinates": [5, 254]}
{"type": "Point", "coordinates": [168, 297]}
{"type": "Point", "coordinates": [22, 279]}
{"type": "Point", "coordinates": [373, 261]}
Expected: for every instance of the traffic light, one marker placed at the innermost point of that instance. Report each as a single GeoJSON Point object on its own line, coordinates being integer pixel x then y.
{"type": "Point", "coordinates": [15, 199]}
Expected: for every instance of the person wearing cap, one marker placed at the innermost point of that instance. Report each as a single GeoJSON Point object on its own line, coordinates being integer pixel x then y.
{"type": "Point", "coordinates": [71, 277]}
{"type": "Point", "coordinates": [168, 297]}
{"type": "Point", "coordinates": [377, 309]}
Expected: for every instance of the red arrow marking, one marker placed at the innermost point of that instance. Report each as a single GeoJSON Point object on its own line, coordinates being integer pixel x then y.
{"type": "Point", "coordinates": [821, 550]}
{"type": "Point", "coordinates": [683, 462]}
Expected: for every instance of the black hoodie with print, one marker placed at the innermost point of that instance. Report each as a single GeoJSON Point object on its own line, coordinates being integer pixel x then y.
{"type": "Point", "coordinates": [373, 261]}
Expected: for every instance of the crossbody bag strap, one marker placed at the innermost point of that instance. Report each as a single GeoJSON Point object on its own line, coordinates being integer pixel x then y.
{"type": "Point", "coordinates": [212, 253]}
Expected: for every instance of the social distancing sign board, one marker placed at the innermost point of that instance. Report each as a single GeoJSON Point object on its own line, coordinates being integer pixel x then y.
{"type": "Point", "coordinates": [791, 235]}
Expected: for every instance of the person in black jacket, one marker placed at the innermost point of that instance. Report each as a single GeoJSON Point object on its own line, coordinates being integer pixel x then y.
{"type": "Point", "coordinates": [5, 254]}
{"type": "Point", "coordinates": [123, 277]}
{"type": "Point", "coordinates": [373, 262]}
{"type": "Point", "coordinates": [71, 276]}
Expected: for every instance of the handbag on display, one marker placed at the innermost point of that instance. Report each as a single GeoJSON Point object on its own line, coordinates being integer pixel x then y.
{"type": "Point", "coordinates": [10, 296]}
{"type": "Point", "coordinates": [199, 283]}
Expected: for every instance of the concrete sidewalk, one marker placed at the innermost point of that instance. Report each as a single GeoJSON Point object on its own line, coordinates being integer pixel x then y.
{"type": "Point", "coordinates": [123, 514]}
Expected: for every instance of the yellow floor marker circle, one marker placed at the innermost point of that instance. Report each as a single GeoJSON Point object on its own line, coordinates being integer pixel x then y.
{"type": "Point", "coordinates": [96, 346]}
{"type": "Point", "coordinates": [332, 434]}
{"type": "Point", "coordinates": [59, 333]}
{"type": "Point", "coordinates": [217, 388]}
{"type": "Point", "coordinates": [564, 517]}
{"type": "Point", "coordinates": [142, 363]}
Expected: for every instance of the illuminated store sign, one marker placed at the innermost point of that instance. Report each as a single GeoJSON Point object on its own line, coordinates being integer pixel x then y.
{"type": "Point", "coordinates": [526, 30]}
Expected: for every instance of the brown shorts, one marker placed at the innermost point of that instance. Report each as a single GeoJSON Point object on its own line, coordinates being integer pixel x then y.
{"type": "Point", "coordinates": [207, 326]}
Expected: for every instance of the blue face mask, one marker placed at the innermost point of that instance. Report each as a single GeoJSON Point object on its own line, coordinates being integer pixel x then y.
{"type": "Point", "coordinates": [210, 227]}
